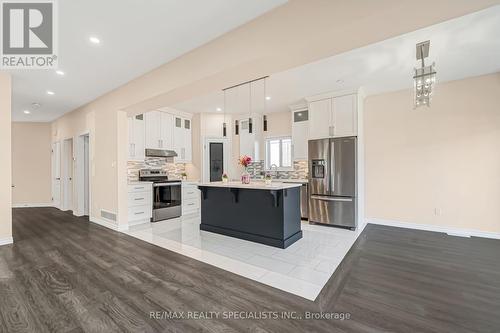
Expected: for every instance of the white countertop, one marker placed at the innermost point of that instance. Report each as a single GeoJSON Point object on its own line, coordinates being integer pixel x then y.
{"type": "Point", "coordinates": [255, 185]}
{"type": "Point", "coordinates": [137, 182]}
{"type": "Point", "coordinates": [302, 181]}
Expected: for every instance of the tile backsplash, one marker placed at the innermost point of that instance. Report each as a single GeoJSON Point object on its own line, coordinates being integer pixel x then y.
{"type": "Point", "coordinates": [174, 170]}
{"type": "Point", "coordinates": [300, 171]}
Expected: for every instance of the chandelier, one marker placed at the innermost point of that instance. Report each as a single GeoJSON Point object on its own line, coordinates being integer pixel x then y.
{"type": "Point", "coordinates": [424, 78]}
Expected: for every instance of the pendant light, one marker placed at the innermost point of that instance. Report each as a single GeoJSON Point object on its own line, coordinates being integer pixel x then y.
{"type": "Point", "coordinates": [224, 127]}
{"type": "Point", "coordinates": [424, 78]}
{"type": "Point", "coordinates": [265, 107]}
{"type": "Point", "coordinates": [236, 127]}
{"type": "Point", "coordinates": [250, 127]}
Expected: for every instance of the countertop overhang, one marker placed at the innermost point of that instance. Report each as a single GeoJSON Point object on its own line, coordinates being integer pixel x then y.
{"type": "Point", "coordinates": [274, 186]}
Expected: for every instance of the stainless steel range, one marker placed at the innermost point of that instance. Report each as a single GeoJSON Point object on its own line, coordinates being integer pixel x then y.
{"type": "Point", "coordinates": [166, 194]}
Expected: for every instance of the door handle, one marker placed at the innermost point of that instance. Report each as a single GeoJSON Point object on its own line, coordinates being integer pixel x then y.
{"type": "Point", "coordinates": [317, 197]}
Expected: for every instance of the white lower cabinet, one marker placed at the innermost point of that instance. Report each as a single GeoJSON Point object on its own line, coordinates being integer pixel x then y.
{"type": "Point", "coordinates": [140, 203]}
{"type": "Point", "coordinates": [190, 199]}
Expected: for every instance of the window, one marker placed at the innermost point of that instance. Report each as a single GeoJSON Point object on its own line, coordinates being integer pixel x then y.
{"type": "Point", "coordinates": [279, 153]}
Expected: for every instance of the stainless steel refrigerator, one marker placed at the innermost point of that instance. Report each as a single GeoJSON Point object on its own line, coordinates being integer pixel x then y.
{"type": "Point", "coordinates": [332, 182]}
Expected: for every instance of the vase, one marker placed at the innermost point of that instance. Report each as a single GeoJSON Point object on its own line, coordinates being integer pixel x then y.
{"type": "Point", "coordinates": [245, 177]}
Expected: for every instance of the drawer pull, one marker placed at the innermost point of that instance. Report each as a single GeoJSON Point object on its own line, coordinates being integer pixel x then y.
{"type": "Point", "coordinates": [137, 199]}
{"type": "Point", "coordinates": [191, 204]}
{"type": "Point", "coordinates": [139, 213]}
{"type": "Point", "coordinates": [139, 188]}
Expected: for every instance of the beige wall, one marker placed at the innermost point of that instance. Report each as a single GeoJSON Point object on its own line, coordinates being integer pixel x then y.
{"type": "Point", "coordinates": [446, 157]}
{"type": "Point", "coordinates": [31, 163]}
{"type": "Point", "coordinates": [5, 158]}
{"type": "Point", "coordinates": [291, 35]}
{"type": "Point", "coordinates": [279, 124]}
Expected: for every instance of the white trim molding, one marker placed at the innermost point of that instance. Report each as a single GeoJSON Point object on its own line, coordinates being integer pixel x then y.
{"type": "Point", "coordinates": [451, 231]}
{"type": "Point", "coordinates": [109, 225]}
{"type": "Point", "coordinates": [32, 205]}
{"type": "Point", "coordinates": [6, 241]}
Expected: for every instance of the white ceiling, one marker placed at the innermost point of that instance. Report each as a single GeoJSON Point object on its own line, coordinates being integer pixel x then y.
{"type": "Point", "coordinates": [463, 47]}
{"type": "Point", "coordinates": [136, 37]}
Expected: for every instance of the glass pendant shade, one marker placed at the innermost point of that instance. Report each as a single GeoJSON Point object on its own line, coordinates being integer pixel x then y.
{"type": "Point", "coordinates": [424, 81]}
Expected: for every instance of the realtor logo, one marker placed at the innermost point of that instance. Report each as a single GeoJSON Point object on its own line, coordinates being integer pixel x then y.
{"type": "Point", "coordinates": [28, 34]}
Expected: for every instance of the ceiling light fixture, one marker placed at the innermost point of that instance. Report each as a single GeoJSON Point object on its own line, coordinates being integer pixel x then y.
{"type": "Point", "coordinates": [27, 111]}
{"type": "Point", "coordinates": [424, 78]}
{"type": "Point", "coordinates": [94, 40]}
{"type": "Point", "coordinates": [218, 109]}
{"type": "Point", "coordinates": [340, 81]}
{"type": "Point", "coordinates": [59, 72]}
{"type": "Point", "coordinates": [50, 92]}
{"type": "Point", "coordinates": [268, 98]}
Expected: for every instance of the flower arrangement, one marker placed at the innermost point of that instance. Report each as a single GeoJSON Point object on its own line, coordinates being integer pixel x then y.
{"type": "Point", "coordinates": [225, 178]}
{"type": "Point", "coordinates": [268, 178]}
{"type": "Point", "coordinates": [184, 176]}
{"type": "Point", "coordinates": [245, 161]}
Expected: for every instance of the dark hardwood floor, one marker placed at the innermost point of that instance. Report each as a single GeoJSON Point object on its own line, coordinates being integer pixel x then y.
{"type": "Point", "coordinates": [64, 274]}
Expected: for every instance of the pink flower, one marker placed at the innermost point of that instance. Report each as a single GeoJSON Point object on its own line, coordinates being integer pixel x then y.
{"type": "Point", "coordinates": [245, 160]}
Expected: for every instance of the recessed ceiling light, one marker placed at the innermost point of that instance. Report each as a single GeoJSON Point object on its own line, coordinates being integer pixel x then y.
{"type": "Point", "coordinates": [59, 72]}
{"type": "Point", "coordinates": [27, 111]}
{"type": "Point", "coordinates": [94, 40]}
{"type": "Point", "coordinates": [50, 92]}
{"type": "Point", "coordinates": [268, 98]}
{"type": "Point", "coordinates": [218, 109]}
{"type": "Point", "coordinates": [340, 81]}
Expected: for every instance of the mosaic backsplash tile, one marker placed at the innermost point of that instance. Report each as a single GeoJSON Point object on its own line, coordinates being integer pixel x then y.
{"type": "Point", "coordinates": [300, 171]}
{"type": "Point", "coordinates": [174, 170]}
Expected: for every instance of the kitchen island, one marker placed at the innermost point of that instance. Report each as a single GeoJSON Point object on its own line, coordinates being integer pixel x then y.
{"type": "Point", "coordinates": [267, 214]}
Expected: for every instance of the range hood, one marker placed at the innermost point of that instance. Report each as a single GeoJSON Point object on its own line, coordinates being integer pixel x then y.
{"type": "Point", "coordinates": [160, 153]}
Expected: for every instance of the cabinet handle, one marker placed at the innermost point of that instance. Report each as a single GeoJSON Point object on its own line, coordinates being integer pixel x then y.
{"type": "Point", "coordinates": [137, 199]}
{"type": "Point", "coordinates": [191, 204]}
{"type": "Point", "coordinates": [138, 188]}
{"type": "Point", "coordinates": [139, 213]}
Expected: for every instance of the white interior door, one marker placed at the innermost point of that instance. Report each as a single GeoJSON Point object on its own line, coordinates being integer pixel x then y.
{"type": "Point", "coordinates": [67, 175]}
{"type": "Point", "coordinates": [56, 174]}
{"type": "Point", "coordinates": [86, 174]}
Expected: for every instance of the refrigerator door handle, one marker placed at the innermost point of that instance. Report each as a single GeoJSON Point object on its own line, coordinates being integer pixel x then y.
{"type": "Point", "coordinates": [318, 197]}
{"type": "Point", "coordinates": [332, 167]}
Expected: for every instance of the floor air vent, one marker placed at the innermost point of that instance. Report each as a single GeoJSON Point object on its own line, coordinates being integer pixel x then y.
{"type": "Point", "coordinates": [108, 215]}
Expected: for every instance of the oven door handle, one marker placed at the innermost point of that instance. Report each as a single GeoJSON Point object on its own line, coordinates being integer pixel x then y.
{"type": "Point", "coordinates": [166, 184]}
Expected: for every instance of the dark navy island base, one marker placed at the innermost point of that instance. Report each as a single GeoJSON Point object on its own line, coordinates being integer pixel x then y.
{"type": "Point", "coordinates": [267, 216]}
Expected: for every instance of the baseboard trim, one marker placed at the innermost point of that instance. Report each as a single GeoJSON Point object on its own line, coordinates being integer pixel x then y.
{"type": "Point", "coordinates": [32, 205]}
{"type": "Point", "coordinates": [109, 225]}
{"type": "Point", "coordinates": [6, 241]}
{"type": "Point", "coordinates": [458, 232]}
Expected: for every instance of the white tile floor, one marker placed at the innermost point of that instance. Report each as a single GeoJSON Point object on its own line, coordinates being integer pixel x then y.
{"type": "Point", "coordinates": [301, 269]}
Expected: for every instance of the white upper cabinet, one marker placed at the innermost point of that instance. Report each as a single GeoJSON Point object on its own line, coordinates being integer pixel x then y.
{"type": "Point", "coordinates": [300, 134]}
{"type": "Point", "coordinates": [333, 117]}
{"type": "Point", "coordinates": [136, 131]}
{"type": "Point", "coordinates": [159, 130]}
{"type": "Point", "coordinates": [345, 115]}
{"type": "Point", "coordinates": [153, 136]}
{"type": "Point", "coordinates": [182, 139]}
{"type": "Point", "coordinates": [320, 114]}
{"type": "Point", "coordinates": [166, 133]}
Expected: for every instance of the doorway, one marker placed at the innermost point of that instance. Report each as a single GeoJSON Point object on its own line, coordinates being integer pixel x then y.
{"type": "Point", "coordinates": [82, 176]}
{"type": "Point", "coordinates": [215, 159]}
{"type": "Point", "coordinates": [67, 175]}
{"type": "Point", "coordinates": [56, 174]}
